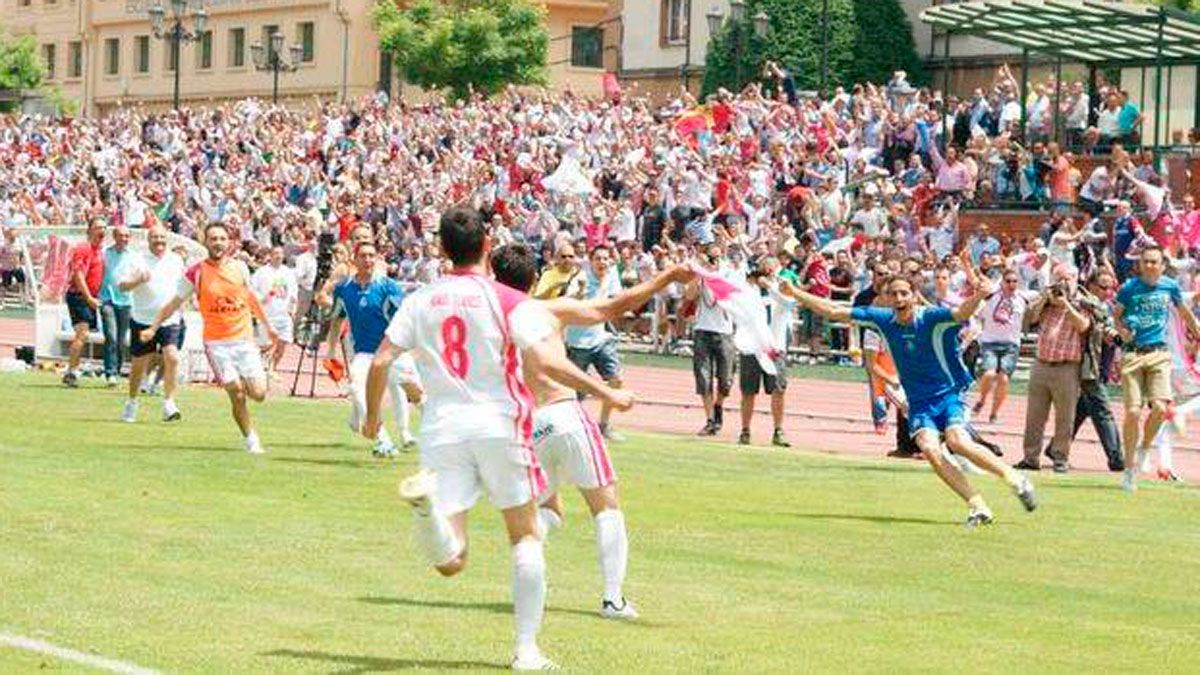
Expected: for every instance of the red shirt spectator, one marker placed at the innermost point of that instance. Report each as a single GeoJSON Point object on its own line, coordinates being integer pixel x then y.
{"type": "Point", "coordinates": [346, 222]}
{"type": "Point", "coordinates": [816, 276]}
{"type": "Point", "coordinates": [722, 117]}
{"type": "Point", "coordinates": [88, 259]}
{"type": "Point", "coordinates": [597, 233]}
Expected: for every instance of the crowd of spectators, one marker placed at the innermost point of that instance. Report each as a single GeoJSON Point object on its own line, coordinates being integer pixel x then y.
{"type": "Point", "coordinates": [838, 191]}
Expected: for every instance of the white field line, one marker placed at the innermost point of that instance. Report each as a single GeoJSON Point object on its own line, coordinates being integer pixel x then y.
{"type": "Point", "coordinates": [91, 660]}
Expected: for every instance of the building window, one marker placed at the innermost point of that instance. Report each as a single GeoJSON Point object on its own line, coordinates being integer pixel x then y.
{"type": "Point", "coordinates": [74, 59]}
{"type": "Point", "coordinates": [25, 3]}
{"type": "Point", "coordinates": [112, 56]}
{"type": "Point", "coordinates": [170, 57]}
{"type": "Point", "coordinates": [50, 60]}
{"type": "Point", "coordinates": [237, 47]}
{"type": "Point", "coordinates": [306, 33]}
{"type": "Point", "coordinates": [267, 32]}
{"type": "Point", "coordinates": [204, 51]}
{"type": "Point", "coordinates": [674, 22]}
{"type": "Point", "coordinates": [587, 47]}
{"type": "Point", "coordinates": [141, 51]}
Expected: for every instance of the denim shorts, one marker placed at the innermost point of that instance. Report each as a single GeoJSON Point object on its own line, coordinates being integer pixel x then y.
{"type": "Point", "coordinates": [601, 357]}
{"type": "Point", "coordinates": [995, 357]}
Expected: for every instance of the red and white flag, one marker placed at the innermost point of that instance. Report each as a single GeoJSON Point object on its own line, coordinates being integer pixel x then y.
{"type": "Point", "coordinates": [752, 334]}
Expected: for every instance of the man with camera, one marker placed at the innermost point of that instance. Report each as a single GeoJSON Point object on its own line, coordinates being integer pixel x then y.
{"type": "Point", "coordinates": [1054, 380]}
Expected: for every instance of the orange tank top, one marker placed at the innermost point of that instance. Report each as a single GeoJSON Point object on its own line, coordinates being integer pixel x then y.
{"type": "Point", "coordinates": [221, 296]}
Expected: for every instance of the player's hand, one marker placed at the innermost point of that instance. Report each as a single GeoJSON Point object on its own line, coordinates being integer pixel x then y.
{"type": "Point", "coordinates": [371, 426]}
{"type": "Point", "coordinates": [621, 399]}
{"type": "Point", "coordinates": [682, 273]}
{"type": "Point", "coordinates": [146, 334]}
{"type": "Point", "coordinates": [986, 287]}
{"type": "Point", "coordinates": [93, 303]}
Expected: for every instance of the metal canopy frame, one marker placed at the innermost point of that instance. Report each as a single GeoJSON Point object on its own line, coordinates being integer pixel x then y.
{"type": "Point", "coordinates": [1094, 32]}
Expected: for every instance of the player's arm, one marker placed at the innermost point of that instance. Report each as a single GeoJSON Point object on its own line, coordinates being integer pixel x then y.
{"type": "Point", "coordinates": [543, 357]}
{"type": "Point", "coordinates": [1185, 310]}
{"type": "Point", "coordinates": [984, 288]}
{"type": "Point", "coordinates": [139, 277]}
{"type": "Point", "coordinates": [324, 295]}
{"type": "Point", "coordinates": [583, 313]}
{"type": "Point", "coordinates": [826, 308]}
{"type": "Point", "coordinates": [377, 378]}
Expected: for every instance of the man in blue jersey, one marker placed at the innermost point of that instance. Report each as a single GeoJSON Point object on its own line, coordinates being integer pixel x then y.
{"type": "Point", "coordinates": [924, 344]}
{"type": "Point", "coordinates": [369, 300]}
{"type": "Point", "coordinates": [1143, 315]}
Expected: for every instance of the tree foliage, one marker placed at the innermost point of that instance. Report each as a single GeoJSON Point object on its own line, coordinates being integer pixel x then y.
{"type": "Point", "coordinates": [868, 39]}
{"type": "Point", "coordinates": [464, 44]}
{"type": "Point", "coordinates": [21, 68]}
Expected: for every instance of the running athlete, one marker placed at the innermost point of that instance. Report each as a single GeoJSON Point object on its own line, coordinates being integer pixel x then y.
{"type": "Point", "coordinates": [151, 279]}
{"type": "Point", "coordinates": [470, 336]}
{"type": "Point", "coordinates": [568, 442]}
{"type": "Point", "coordinates": [227, 305]}
{"type": "Point", "coordinates": [369, 301]}
{"type": "Point", "coordinates": [924, 344]}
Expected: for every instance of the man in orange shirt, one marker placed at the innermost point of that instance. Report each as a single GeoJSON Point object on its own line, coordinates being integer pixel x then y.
{"type": "Point", "coordinates": [227, 305]}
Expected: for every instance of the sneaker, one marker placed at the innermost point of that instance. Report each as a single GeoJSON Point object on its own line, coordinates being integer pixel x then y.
{"type": "Point", "coordinates": [744, 437]}
{"type": "Point", "coordinates": [1061, 466]}
{"type": "Point", "coordinates": [1026, 465]}
{"type": "Point", "coordinates": [992, 418]}
{"type": "Point", "coordinates": [1169, 476]}
{"type": "Point", "coordinates": [253, 446]}
{"type": "Point", "coordinates": [979, 516]}
{"type": "Point", "coordinates": [171, 411]}
{"type": "Point", "coordinates": [779, 441]}
{"type": "Point", "coordinates": [383, 448]}
{"type": "Point", "coordinates": [1143, 460]}
{"type": "Point", "coordinates": [110, 381]}
{"type": "Point", "coordinates": [1128, 481]}
{"type": "Point", "coordinates": [709, 429]}
{"type": "Point", "coordinates": [611, 436]}
{"type": "Point", "coordinates": [1026, 494]}
{"type": "Point", "coordinates": [418, 488]}
{"type": "Point", "coordinates": [70, 379]}
{"type": "Point", "coordinates": [610, 610]}
{"type": "Point", "coordinates": [533, 661]}
{"type": "Point", "coordinates": [408, 443]}
{"type": "Point", "coordinates": [130, 413]}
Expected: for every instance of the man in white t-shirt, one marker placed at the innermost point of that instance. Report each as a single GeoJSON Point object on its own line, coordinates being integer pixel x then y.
{"type": "Point", "coordinates": [1000, 341]}
{"type": "Point", "coordinates": [278, 292]}
{"type": "Point", "coordinates": [712, 344]}
{"type": "Point", "coordinates": [151, 279]}
{"type": "Point", "coordinates": [751, 378]}
{"type": "Point", "coordinates": [471, 338]}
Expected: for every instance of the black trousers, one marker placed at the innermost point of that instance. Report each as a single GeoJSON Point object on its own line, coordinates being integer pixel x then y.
{"type": "Point", "coordinates": [1093, 403]}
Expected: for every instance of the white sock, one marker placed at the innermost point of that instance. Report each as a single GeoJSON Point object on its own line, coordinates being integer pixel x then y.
{"type": "Point", "coordinates": [252, 438]}
{"type": "Point", "coordinates": [435, 536]}
{"type": "Point", "coordinates": [548, 521]}
{"type": "Point", "coordinates": [1165, 446]}
{"type": "Point", "coordinates": [383, 436]}
{"type": "Point", "coordinates": [613, 545]}
{"type": "Point", "coordinates": [400, 403]}
{"type": "Point", "coordinates": [529, 592]}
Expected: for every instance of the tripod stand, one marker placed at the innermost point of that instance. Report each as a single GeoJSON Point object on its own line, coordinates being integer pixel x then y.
{"type": "Point", "coordinates": [309, 336]}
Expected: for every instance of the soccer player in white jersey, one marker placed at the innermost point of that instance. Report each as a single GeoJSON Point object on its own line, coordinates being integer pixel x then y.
{"type": "Point", "coordinates": [569, 444]}
{"type": "Point", "coordinates": [470, 337]}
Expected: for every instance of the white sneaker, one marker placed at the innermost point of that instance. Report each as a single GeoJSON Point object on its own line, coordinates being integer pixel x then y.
{"type": "Point", "coordinates": [130, 412]}
{"type": "Point", "coordinates": [384, 448]}
{"type": "Point", "coordinates": [418, 488]}
{"type": "Point", "coordinates": [253, 446]}
{"type": "Point", "coordinates": [626, 611]}
{"type": "Point", "coordinates": [1144, 462]}
{"type": "Point", "coordinates": [110, 381]}
{"type": "Point", "coordinates": [408, 443]}
{"type": "Point", "coordinates": [171, 411]}
{"type": "Point", "coordinates": [1128, 481]}
{"type": "Point", "coordinates": [533, 661]}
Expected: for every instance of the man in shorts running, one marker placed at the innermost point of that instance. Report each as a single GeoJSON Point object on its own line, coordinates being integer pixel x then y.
{"type": "Point", "coordinates": [568, 442]}
{"type": "Point", "coordinates": [1142, 314]}
{"type": "Point", "coordinates": [924, 343]}
{"type": "Point", "coordinates": [227, 305]}
{"type": "Point", "coordinates": [83, 295]}
{"type": "Point", "coordinates": [471, 337]}
{"type": "Point", "coordinates": [369, 302]}
{"type": "Point", "coordinates": [151, 279]}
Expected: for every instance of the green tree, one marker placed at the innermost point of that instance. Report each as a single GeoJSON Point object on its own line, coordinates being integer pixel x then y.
{"type": "Point", "coordinates": [463, 44]}
{"type": "Point", "coordinates": [20, 67]}
{"type": "Point", "coordinates": [868, 39]}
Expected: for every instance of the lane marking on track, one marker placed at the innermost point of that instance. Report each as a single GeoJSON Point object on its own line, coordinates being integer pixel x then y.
{"type": "Point", "coordinates": [82, 658]}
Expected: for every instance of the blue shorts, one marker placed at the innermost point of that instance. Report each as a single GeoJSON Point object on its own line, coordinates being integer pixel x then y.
{"type": "Point", "coordinates": [938, 414]}
{"type": "Point", "coordinates": [602, 357]}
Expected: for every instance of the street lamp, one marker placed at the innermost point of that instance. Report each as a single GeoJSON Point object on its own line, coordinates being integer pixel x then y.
{"type": "Point", "coordinates": [274, 61]}
{"type": "Point", "coordinates": [737, 10]}
{"type": "Point", "coordinates": [762, 23]}
{"type": "Point", "coordinates": [175, 33]}
{"type": "Point", "coordinates": [715, 18]}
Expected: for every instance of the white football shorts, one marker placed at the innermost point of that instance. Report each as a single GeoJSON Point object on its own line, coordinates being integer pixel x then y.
{"type": "Point", "coordinates": [232, 360]}
{"type": "Point", "coordinates": [506, 470]}
{"type": "Point", "coordinates": [570, 447]}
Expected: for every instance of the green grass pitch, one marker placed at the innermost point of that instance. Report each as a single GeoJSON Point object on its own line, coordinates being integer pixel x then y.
{"type": "Point", "coordinates": [169, 547]}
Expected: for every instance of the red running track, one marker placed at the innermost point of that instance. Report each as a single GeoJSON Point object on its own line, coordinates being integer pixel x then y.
{"type": "Point", "coordinates": [825, 416]}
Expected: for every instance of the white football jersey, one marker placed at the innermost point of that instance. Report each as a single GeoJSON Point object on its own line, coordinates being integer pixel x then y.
{"type": "Point", "coordinates": [466, 333]}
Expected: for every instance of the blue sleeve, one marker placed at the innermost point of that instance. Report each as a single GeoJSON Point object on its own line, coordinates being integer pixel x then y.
{"type": "Point", "coordinates": [1125, 293]}
{"type": "Point", "coordinates": [875, 316]}
{"type": "Point", "coordinates": [395, 291]}
{"type": "Point", "coordinates": [940, 315]}
{"type": "Point", "coordinates": [1175, 293]}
